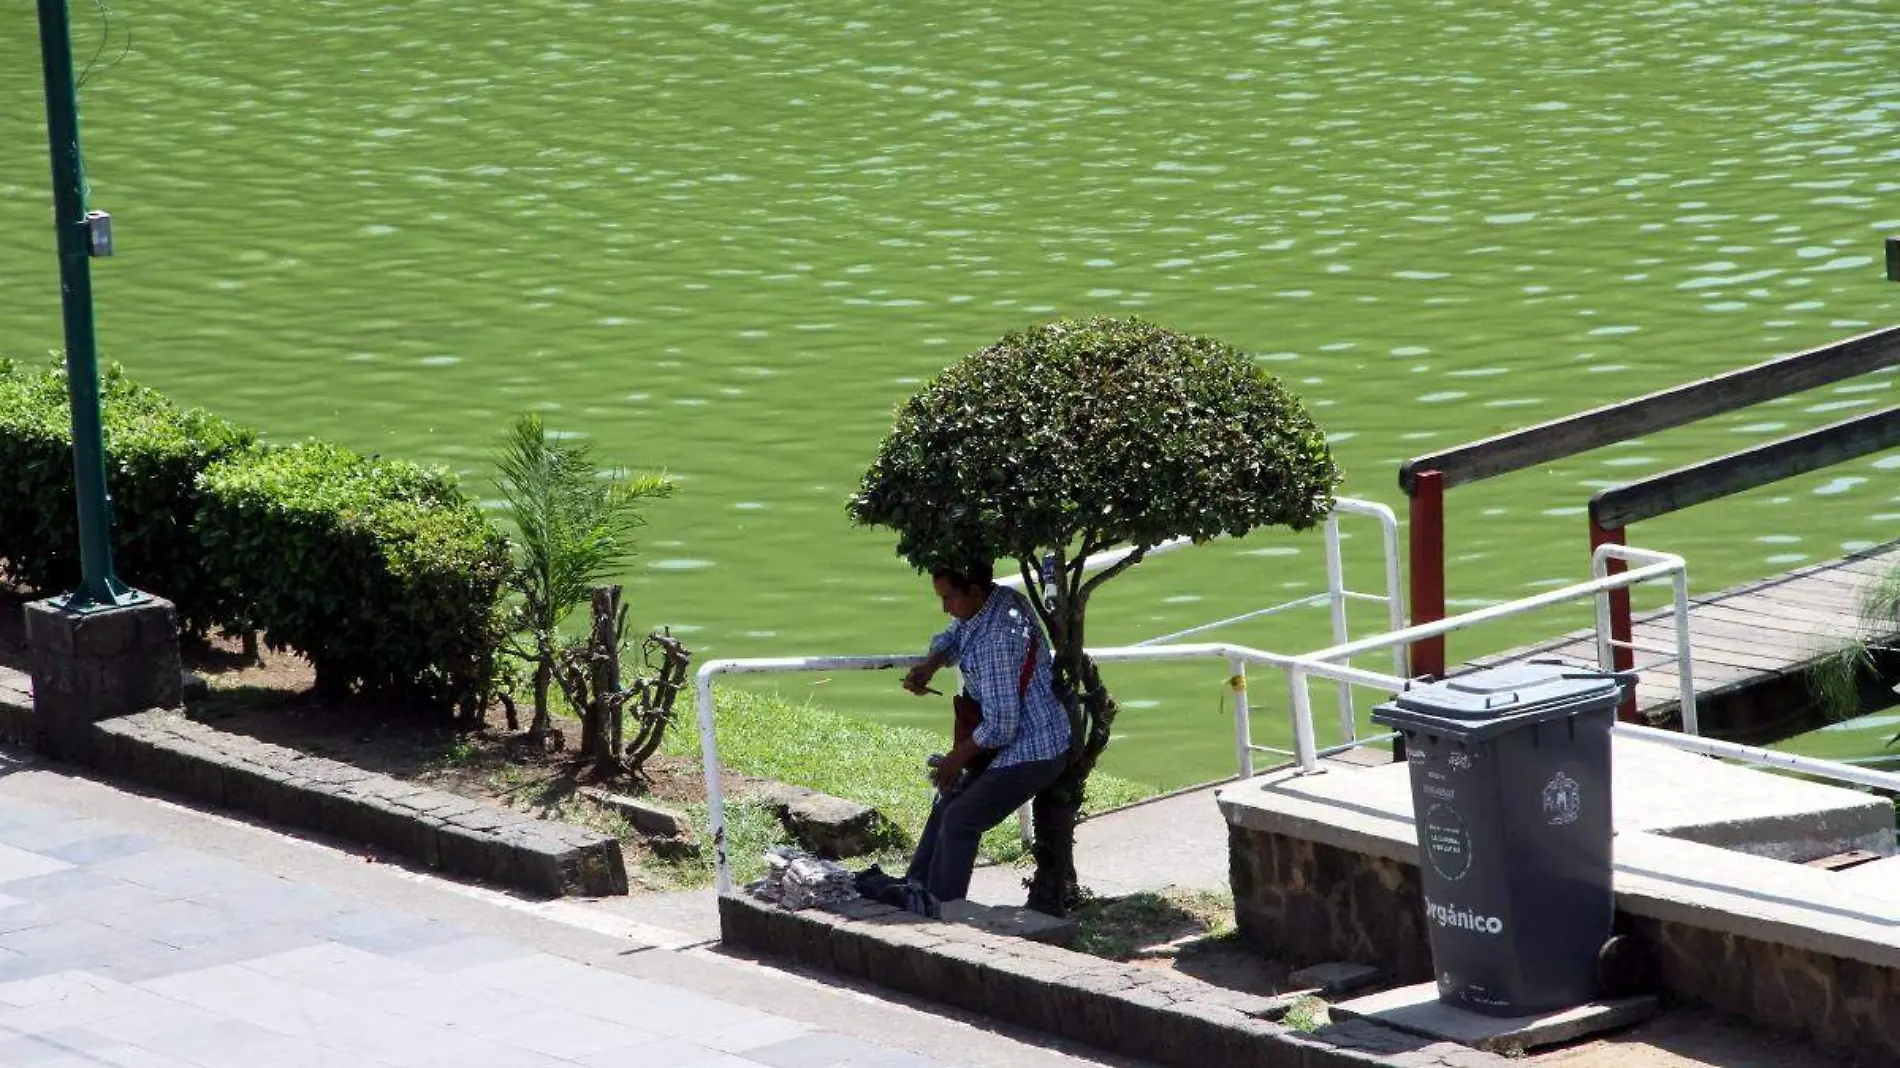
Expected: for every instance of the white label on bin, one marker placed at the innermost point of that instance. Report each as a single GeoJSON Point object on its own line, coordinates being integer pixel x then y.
{"type": "Point", "coordinates": [1447, 842]}
{"type": "Point", "coordinates": [1462, 918]}
{"type": "Point", "coordinates": [1563, 800]}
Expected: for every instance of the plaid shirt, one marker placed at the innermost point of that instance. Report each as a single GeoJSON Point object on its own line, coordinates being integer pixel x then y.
{"type": "Point", "coordinates": [988, 650]}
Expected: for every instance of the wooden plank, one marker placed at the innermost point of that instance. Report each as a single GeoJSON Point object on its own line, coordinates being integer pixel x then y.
{"type": "Point", "coordinates": [1752, 663]}
{"type": "Point", "coordinates": [1707, 685]}
{"type": "Point", "coordinates": [1711, 674]}
{"type": "Point", "coordinates": [1610, 423]}
{"type": "Point", "coordinates": [1818, 595]}
{"type": "Point", "coordinates": [1841, 576]}
{"type": "Point", "coordinates": [1856, 586]}
{"type": "Point", "coordinates": [1768, 613]}
{"type": "Point", "coordinates": [1723, 629]}
{"type": "Point", "coordinates": [1764, 594]}
{"type": "Point", "coordinates": [1843, 601]}
{"type": "Point", "coordinates": [1746, 469]}
{"type": "Point", "coordinates": [1754, 655]}
{"type": "Point", "coordinates": [1872, 566]}
{"type": "Point", "coordinates": [1775, 623]}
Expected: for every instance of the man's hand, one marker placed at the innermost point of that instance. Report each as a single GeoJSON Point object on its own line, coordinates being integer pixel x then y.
{"type": "Point", "coordinates": [917, 679]}
{"type": "Point", "coordinates": [947, 772]}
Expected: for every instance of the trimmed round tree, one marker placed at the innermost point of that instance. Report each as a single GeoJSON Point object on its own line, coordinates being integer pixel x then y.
{"type": "Point", "coordinates": [1075, 437]}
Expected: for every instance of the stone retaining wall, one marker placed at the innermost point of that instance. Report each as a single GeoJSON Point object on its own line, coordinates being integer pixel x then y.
{"type": "Point", "coordinates": [1137, 1012]}
{"type": "Point", "coordinates": [440, 830]}
{"type": "Point", "coordinates": [1313, 902]}
{"type": "Point", "coordinates": [16, 711]}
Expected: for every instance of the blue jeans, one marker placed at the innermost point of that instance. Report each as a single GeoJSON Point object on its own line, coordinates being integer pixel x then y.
{"type": "Point", "coordinates": [946, 851]}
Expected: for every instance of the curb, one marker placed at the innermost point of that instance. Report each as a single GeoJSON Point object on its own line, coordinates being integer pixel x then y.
{"type": "Point", "coordinates": [445, 832]}
{"type": "Point", "coordinates": [1137, 1012]}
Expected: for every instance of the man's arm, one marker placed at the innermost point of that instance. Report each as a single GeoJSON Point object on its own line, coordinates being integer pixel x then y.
{"type": "Point", "coordinates": [943, 653]}
{"type": "Point", "coordinates": [943, 646]}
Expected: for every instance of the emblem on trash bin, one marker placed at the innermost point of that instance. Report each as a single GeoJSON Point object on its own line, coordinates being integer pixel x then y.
{"type": "Point", "coordinates": [1563, 800]}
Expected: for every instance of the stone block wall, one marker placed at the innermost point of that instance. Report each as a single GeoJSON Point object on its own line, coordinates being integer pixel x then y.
{"type": "Point", "coordinates": [1844, 1004]}
{"type": "Point", "coordinates": [1313, 902]}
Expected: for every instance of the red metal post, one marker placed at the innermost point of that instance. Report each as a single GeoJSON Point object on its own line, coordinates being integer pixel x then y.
{"type": "Point", "coordinates": [1621, 656]}
{"type": "Point", "coordinates": [1428, 569]}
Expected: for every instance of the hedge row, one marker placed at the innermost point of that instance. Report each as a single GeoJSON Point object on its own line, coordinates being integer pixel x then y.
{"type": "Point", "coordinates": [381, 572]}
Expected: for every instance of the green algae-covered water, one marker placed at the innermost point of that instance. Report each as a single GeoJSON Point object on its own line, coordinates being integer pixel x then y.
{"type": "Point", "coordinates": [723, 239]}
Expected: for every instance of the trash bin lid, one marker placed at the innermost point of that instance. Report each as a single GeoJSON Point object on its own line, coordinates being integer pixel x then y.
{"type": "Point", "coordinates": [1485, 703]}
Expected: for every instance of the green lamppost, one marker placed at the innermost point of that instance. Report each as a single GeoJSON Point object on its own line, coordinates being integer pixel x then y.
{"type": "Point", "coordinates": [104, 649]}
{"type": "Point", "coordinates": [80, 238]}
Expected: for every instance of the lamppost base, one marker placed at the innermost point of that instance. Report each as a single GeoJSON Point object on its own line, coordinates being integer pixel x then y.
{"type": "Point", "coordinates": [98, 661]}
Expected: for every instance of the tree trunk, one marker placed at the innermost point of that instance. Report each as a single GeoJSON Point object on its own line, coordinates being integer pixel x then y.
{"type": "Point", "coordinates": [603, 666]}
{"type": "Point", "coordinates": [543, 676]}
{"type": "Point", "coordinates": [1056, 889]}
{"type": "Point", "coordinates": [330, 684]}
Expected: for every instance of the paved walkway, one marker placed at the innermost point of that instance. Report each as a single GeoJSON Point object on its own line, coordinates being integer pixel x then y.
{"type": "Point", "coordinates": [143, 935]}
{"type": "Point", "coordinates": [1171, 841]}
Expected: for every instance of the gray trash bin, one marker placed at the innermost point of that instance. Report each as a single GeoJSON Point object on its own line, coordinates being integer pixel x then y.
{"type": "Point", "coordinates": [1510, 772]}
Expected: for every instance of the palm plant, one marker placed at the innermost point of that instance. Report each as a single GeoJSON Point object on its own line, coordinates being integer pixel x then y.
{"type": "Point", "coordinates": [1838, 680]}
{"type": "Point", "coordinates": [574, 522]}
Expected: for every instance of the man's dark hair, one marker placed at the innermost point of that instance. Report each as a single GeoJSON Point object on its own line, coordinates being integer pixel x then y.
{"type": "Point", "coordinates": [972, 576]}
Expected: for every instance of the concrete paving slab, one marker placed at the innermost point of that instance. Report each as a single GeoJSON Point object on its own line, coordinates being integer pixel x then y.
{"type": "Point", "coordinates": [663, 1053]}
{"type": "Point", "coordinates": [137, 1057]}
{"type": "Point", "coordinates": [17, 864]}
{"type": "Point", "coordinates": [1417, 1009]}
{"type": "Point", "coordinates": [454, 952]}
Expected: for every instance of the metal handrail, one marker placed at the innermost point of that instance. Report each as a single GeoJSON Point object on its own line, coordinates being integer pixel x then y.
{"type": "Point", "coordinates": [1336, 595]}
{"type": "Point", "coordinates": [1327, 663]}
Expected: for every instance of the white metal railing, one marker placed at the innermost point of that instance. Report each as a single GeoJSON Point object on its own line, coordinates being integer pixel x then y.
{"type": "Point", "coordinates": [1652, 565]}
{"type": "Point", "coordinates": [1336, 596]}
{"type": "Point", "coordinates": [1332, 663]}
{"type": "Point", "coordinates": [1299, 668]}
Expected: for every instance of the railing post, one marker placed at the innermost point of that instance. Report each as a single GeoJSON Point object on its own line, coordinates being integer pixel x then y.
{"type": "Point", "coordinates": [715, 794]}
{"type": "Point", "coordinates": [1621, 655]}
{"type": "Point", "coordinates": [1305, 749]}
{"type": "Point", "coordinates": [1427, 515]}
{"type": "Point", "coordinates": [1336, 596]}
{"type": "Point", "coordinates": [1685, 655]}
{"type": "Point", "coordinates": [1243, 718]}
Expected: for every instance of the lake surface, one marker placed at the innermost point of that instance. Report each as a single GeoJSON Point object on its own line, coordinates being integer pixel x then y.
{"type": "Point", "coordinates": [724, 239]}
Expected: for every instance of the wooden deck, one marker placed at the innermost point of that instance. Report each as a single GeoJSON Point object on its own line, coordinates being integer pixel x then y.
{"type": "Point", "coordinates": [1749, 643]}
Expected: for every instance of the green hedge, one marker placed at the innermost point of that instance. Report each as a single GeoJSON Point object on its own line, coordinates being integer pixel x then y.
{"type": "Point", "coordinates": [381, 572]}
{"type": "Point", "coordinates": [155, 452]}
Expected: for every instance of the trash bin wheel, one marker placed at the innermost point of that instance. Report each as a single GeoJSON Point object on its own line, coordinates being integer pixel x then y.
{"type": "Point", "coordinates": [1622, 966]}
